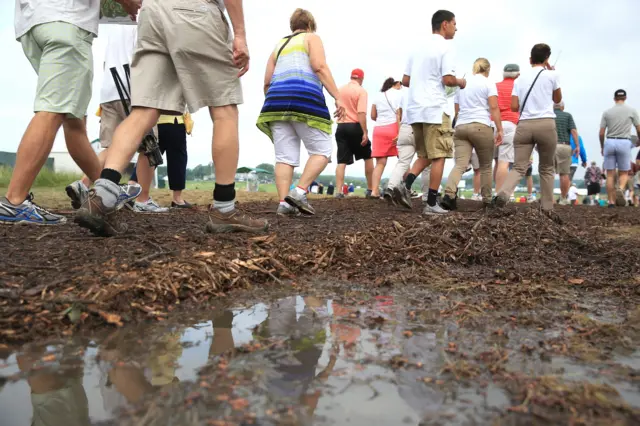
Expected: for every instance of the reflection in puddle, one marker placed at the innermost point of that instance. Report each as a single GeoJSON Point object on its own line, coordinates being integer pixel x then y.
{"type": "Point", "coordinates": [299, 360]}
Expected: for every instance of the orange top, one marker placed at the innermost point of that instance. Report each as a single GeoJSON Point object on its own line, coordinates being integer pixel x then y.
{"type": "Point", "coordinates": [354, 99]}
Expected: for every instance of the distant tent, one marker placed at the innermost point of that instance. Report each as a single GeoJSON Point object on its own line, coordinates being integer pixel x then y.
{"type": "Point", "coordinates": [249, 170]}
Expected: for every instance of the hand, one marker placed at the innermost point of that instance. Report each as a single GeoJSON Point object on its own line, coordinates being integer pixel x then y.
{"type": "Point", "coordinates": [499, 136]}
{"type": "Point", "coordinates": [241, 54]}
{"type": "Point", "coordinates": [131, 7]}
{"type": "Point", "coordinates": [584, 165]}
{"type": "Point", "coordinates": [549, 66]}
{"type": "Point", "coordinates": [462, 83]}
{"type": "Point", "coordinates": [395, 140]}
{"type": "Point", "coordinates": [340, 111]}
{"type": "Point", "coordinates": [365, 140]}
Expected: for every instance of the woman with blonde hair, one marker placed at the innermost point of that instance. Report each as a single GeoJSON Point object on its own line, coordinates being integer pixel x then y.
{"type": "Point", "coordinates": [475, 106]}
{"type": "Point", "coordinates": [387, 113]}
{"type": "Point", "coordinates": [295, 109]}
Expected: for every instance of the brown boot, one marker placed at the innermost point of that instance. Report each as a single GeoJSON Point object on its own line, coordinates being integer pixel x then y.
{"type": "Point", "coordinates": [234, 221]}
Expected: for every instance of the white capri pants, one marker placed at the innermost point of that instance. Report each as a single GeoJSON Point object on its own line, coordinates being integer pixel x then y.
{"type": "Point", "coordinates": [286, 141]}
{"type": "Point", "coordinates": [406, 151]}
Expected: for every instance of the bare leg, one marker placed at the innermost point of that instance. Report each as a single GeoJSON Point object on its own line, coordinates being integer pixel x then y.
{"type": "Point", "coordinates": [340, 171]}
{"type": "Point", "coordinates": [611, 188]}
{"type": "Point", "coordinates": [476, 181]}
{"type": "Point", "coordinates": [284, 177]}
{"type": "Point", "coordinates": [530, 185]}
{"type": "Point", "coordinates": [623, 178]}
{"type": "Point", "coordinates": [501, 172]}
{"type": "Point", "coordinates": [102, 156]}
{"type": "Point", "coordinates": [315, 165]}
{"type": "Point", "coordinates": [377, 176]}
{"type": "Point", "coordinates": [75, 134]}
{"type": "Point", "coordinates": [437, 168]}
{"type": "Point", "coordinates": [145, 177]}
{"type": "Point", "coordinates": [368, 172]}
{"type": "Point", "coordinates": [33, 151]}
{"type": "Point", "coordinates": [419, 165]}
{"type": "Point", "coordinates": [177, 197]}
{"type": "Point", "coordinates": [565, 184]}
{"type": "Point", "coordinates": [127, 137]}
{"type": "Point", "coordinates": [225, 146]}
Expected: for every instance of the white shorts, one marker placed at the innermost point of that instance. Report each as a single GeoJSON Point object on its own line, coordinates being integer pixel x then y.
{"type": "Point", "coordinates": [474, 161]}
{"type": "Point", "coordinates": [505, 151]}
{"type": "Point", "coordinates": [286, 141]}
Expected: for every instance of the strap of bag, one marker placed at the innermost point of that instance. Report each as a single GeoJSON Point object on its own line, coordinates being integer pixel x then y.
{"type": "Point", "coordinates": [289, 37]}
{"type": "Point", "coordinates": [123, 92]}
{"type": "Point", "coordinates": [395, 111]}
{"type": "Point", "coordinates": [529, 92]}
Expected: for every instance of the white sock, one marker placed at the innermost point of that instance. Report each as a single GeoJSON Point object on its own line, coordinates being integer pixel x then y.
{"type": "Point", "coordinates": [224, 206]}
{"type": "Point", "coordinates": [300, 190]}
{"type": "Point", "coordinates": [284, 204]}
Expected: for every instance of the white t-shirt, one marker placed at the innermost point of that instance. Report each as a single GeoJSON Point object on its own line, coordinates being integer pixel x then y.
{"type": "Point", "coordinates": [120, 46]}
{"type": "Point", "coordinates": [426, 67]}
{"type": "Point", "coordinates": [573, 193]}
{"type": "Point", "coordinates": [404, 102]}
{"type": "Point", "coordinates": [81, 13]}
{"type": "Point", "coordinates": [387, 104]}
{"type": "Point", "coordinates": [474, 100]}
{"type": "Point", "coordinates": [540, 101]}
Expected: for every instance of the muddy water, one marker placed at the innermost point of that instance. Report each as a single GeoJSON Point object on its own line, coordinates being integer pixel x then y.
{"type": "Point", "coordinates": [324, 359]}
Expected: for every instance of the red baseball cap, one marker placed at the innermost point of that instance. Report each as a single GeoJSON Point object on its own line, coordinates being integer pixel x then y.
{"type": "Point", "coordinates": [357, 73]}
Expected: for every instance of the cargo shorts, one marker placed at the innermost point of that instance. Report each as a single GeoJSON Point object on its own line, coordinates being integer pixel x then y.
{"type": "Point", "coordinates": [61, 55]}
{"type": "Point", "coordinates": [184, 55]}
{"type": "Point", "coordinates": [562, 161]}
{"type": "Point", "coordinates": [434, 141]}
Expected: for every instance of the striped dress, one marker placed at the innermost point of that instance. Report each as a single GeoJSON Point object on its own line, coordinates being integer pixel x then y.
{"type": "Point", "coordinates": [295, 93]}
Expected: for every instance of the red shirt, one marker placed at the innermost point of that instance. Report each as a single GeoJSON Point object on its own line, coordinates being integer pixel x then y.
{"type": "Point", "coordinates": [505, 88]}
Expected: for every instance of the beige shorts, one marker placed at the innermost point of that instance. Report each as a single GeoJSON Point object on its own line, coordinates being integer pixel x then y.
{"type": "Point", "coordinates": [184, 55]}
{"type": "Point", "coordinates": [434, 141]}
{"type": "Point", "coordinates": [61, 55]}
{"type": "Point", "coordinates": [112, 115]}
{"type": "Point", "coordinates": [563, 159]}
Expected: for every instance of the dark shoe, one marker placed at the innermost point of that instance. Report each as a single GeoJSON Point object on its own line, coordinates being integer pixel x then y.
{"type": "Point", "coordinates": [186, 205]}
{"type": "Point", "coordinates": [78, 193]}
{"type": "Point", "coordinates": [402, 196]}
{"type": "Point", "coordinates": [368, 195]}
{"type": "Point", "coordinates": [500, 201]}
{"type": "Point", "coordinates": [612, 206]}
{"type": "Point", "coordinates": [449, 203]}
{"type": "Point", "coordinates": [620, 201]}
{"type": "Point", "coordinates": [234, 221]}
{"type": "Point", "coordinates": [388, 197]}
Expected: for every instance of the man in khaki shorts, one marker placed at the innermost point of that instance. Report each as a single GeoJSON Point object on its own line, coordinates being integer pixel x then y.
{"type": "Point", "coordinates": [57, 42]}
{"type": "Point", "coordinates": [184, 55]}
{"type": "Point", "coordinates": [566, 128]}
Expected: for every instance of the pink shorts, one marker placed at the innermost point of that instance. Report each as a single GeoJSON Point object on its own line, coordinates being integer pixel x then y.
{"type": "Point", "coordinates": [383, 145]}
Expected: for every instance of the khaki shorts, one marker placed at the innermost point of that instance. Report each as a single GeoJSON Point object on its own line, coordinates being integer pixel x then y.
{"type": "Point", "coordinates": [113, 114]}
{"type": "Point", "coordinates": [434, 141]}
{"type": "Point", "coordinates": [184, 55]}
{"type": "Point", "coordinates": [66, 406]}
{"type": "Point", "coordinates": [563, 159]}
{"type": "Point", "coordinates": [61, 55]}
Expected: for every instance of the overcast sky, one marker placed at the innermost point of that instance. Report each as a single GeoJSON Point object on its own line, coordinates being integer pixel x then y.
{"type": "Point", "coordinates": [598, 39]}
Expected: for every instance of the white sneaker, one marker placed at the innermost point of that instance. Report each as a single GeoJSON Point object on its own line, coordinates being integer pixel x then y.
{"type": "Point", "coordinates": [149, 206]}
{"type": "Point", "coordinates": [531, 198]}
{"type": "Point", "coordinates": [476, 197]}
{"type": "Point", "coordinates": [435, 210]}
{"type": "Point", "coordinates": [564, 202]}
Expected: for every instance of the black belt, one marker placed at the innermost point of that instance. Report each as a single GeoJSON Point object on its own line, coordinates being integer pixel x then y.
{"type": "Point", "coordinates": [611, 137]}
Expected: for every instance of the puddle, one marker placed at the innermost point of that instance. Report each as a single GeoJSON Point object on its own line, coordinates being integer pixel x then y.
{"type": "Point", "coordinates": [296, 360]}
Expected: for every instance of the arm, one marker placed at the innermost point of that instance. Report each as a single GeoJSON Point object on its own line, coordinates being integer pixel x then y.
{"type": "Point", "coordinates": [406, 80]}
{"type": "Point", "coordinates": [515, 103]}
{"type": "Point", "coordinates": [319, 65]}
{"type": "Point", "coordinates": [374, 112]}
{"type": "Point", "coordinates": [362, 119]}
{"type": "Point", "coordinates": [131, 7]}
{"type": "Point", "coordinates": [557, 95]}
{"type": "Point", "coordinates": [240, 49]}
{"type": "Point", "coordinates": [452, 81]}
{"type": "Point", "coordinates": [497, 119]}
{"type": "Point", "coordinates": [574, 133]}
{"type": "Point", "coordinates": [268, 74]}
{"type": "Point", "coordinates": [601, 137]}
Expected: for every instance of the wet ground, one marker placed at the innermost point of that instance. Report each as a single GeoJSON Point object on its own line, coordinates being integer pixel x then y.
{"type": "Point", "coordinates": [360, 315]}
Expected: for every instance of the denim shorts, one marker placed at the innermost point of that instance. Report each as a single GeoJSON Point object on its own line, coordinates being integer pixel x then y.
{"type": "Point", "coordinates": [617, 154]}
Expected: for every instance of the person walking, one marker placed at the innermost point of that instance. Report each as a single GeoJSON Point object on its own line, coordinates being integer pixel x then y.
{"type": "Point", "coordinates": [428, 72]}
{"type": "Point", "coordinates": [534, 94]}
{"type": "Point", "coordinates": [295, 109]}
{"type": "Point", "coordinates": [387, 113]}
{"type": "Point", "coordinates": [577, 159]}
{"type": "Point", "coordinates": [56, 38]}
{"type": "Point", "coordinates": [406, 151]}
{"type": "Point", "coordinates": [504, 152]}
{"type": "Point", "coordinates": [615, 141]}
{"type": "Point", "coordinates": [196, 43]}
{"type": "Point", "coordinates": [592, 177]}
{"type": "Point", "coordinates": [351, 135]}
{"type": "Point", "coordinates": [566, 129]}
{"type": "Point", "coordinates": [475, 106]}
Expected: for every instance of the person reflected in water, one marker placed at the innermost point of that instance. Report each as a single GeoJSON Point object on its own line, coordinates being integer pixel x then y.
{"type": "Point", "coordinates": [58, 397]}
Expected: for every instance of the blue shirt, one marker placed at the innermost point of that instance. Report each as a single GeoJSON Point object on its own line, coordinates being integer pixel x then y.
{"type": "Point", "coordinates": [583, 152]}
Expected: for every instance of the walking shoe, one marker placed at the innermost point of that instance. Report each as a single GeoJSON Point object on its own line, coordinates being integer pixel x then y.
{"type": "Point", "coordinates": [234, 221]}
{"type": "Point", "coordinates": [78, 192]}
{"type": "Point", "coordinates": [449, 203]}
{"type": "Point", "coordinates": [149, 206]}
{"type": "Point", "coordinates": [98, 213]}
{"type": "Point", "coordinates": [620, 200]}
{"type": "Point", "coordinates": [402, 196]}
{"type": "Point", "coordinates": [368, 195]}
{"type": "Point", "coordinates": [476, 197]}
{"type": "Point", "coordinates": [531, 198]}
{"type": "Point", "coordinates": [287, 210]}
{"type": "Point", "coordinates": [184, 205]}
{"type": "Point", "coordinates": [339, 195]}
{"type": "Point", "coordinates": [433, 210]}
{"type": "Point", "coordinates": [27, 212]}
{"type": "Point", "coordinates": [300, 201]}
{"type": "Point", "coordinates": [388, 196]}
{"type": "Point", "coordinates": [414, 194]}
{"type": "Point", "coordinates": [499, 200]}
{"type": "Point", "coordinates": [564, 202]}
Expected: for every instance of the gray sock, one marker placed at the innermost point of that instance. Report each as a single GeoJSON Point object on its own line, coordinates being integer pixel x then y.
{"type": "Point", "coordinates": [108, 191]}
{"type": "Point", "coordinates": [224, 206]}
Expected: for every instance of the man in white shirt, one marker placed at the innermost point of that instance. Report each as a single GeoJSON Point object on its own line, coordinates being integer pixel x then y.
{"type": "Point", "coordinates": [534, 94]}
{"type": "Point", "coordinates": [56, 37]}
{"type": "Point", "coordinates": [428, 72]}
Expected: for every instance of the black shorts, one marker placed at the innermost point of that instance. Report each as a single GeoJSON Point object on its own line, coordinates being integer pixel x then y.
{"type": "Point", "coordinates": [529, 171]}
{"type": "Point", "coordinates": [348, 138]}
{"type": "Point", "coordinates": [593, 189]}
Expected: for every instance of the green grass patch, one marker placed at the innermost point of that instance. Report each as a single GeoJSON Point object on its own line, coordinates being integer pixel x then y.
{"type": "Point", "coordinates": [47, 178]}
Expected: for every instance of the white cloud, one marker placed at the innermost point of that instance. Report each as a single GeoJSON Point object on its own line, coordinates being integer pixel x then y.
{"type": "Point", "coordinates": [598, 41]}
